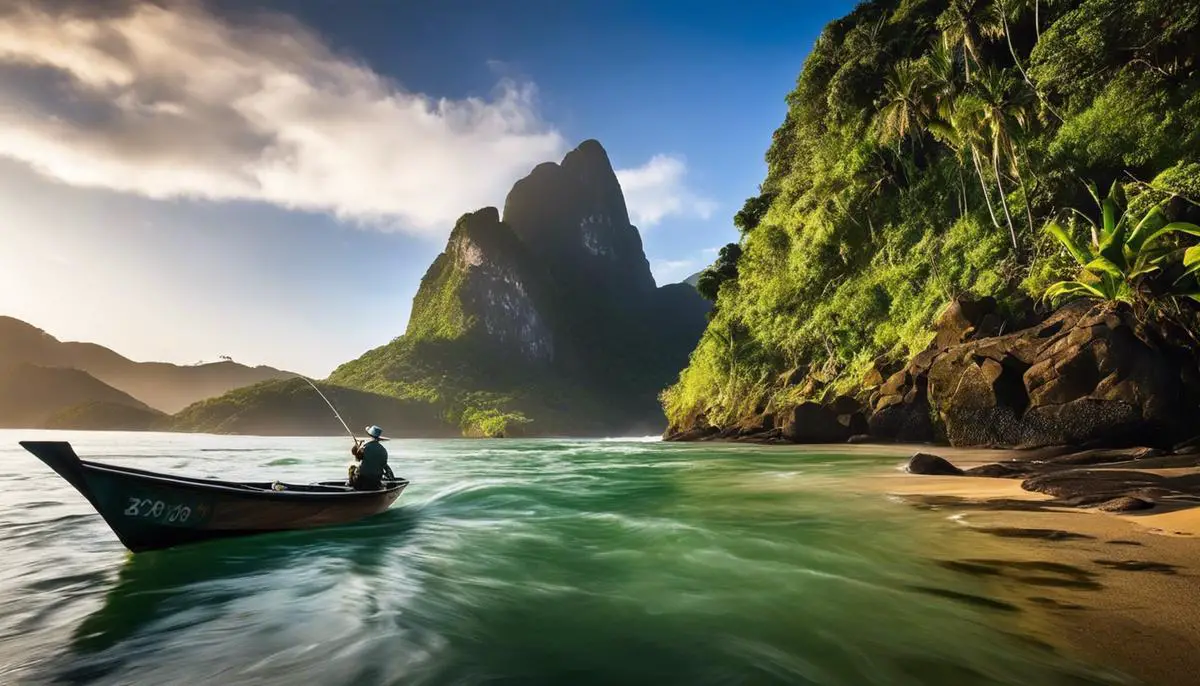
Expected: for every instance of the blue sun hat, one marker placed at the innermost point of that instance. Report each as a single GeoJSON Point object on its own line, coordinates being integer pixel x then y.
{"type": "Point", "coordinates": [375, 432]}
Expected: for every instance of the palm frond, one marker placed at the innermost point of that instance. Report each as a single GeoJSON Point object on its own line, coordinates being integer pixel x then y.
{"type": "Point", "coordinates": [1056, 229]}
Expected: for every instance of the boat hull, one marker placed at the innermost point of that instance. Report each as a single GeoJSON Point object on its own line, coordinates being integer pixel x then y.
{"type": "Point", "coordinates": [150, 511]}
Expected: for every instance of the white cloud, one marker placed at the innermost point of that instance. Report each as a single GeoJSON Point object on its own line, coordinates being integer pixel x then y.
{"type": "Point", "coordinates": [673, 271]}
{"type": "Point", "coordinates": [657, 190]}
{"type": "Point", "coordinates": [169, 100]}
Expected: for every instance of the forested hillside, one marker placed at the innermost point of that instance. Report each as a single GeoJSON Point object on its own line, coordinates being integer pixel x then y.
{"type": "Point", "coordinates": [926, 146]}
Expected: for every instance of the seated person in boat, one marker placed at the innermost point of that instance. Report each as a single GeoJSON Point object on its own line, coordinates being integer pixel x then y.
{"type": "Point", "coordinates": [370, 467]}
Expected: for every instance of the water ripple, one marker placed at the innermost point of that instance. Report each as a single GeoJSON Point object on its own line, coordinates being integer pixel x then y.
{"type": "Point", "coordinates": [626, 561]}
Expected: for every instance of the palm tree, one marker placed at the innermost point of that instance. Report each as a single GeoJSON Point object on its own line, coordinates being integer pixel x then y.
{"type": "Point", "coordinates": [1013, 10]}
{"type": "Point", "coordinates": [961, 129]}
{"type": "Point", "coordinates": [1003, 115]}
{"type": "Point", "coordinates": [969, 24]}
{"type": "Point", "coordinates": [903, 106]}
{"type": "Point", "coordinates": [942, 73]}
{"type": "Point", "coordinates": [942, 89]}
{"type": "Point", "coordinates": [1020, 7]}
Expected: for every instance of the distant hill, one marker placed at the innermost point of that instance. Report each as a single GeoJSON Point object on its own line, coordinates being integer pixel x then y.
{"type": "Point", "coordinates": [291, 408]}
{"type": "Point", "coordinates": [165, 387]}
{"type": "Point", "coordinates": [108, 416]}
{"type": "Point", "coordinates": [694, 279]}
{"type": "Point", "coordinates": [56, 397]}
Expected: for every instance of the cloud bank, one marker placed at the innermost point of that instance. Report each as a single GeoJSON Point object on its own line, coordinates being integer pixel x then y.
{"type": "Point", "coordinates": [170, 100]}
{"type": "Point", "coordinates": [656, 190]}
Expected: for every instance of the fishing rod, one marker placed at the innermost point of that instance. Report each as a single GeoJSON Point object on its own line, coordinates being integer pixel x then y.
{"type": "Point", "coordinates": [335, 412]}
{"type": "Point", "coordinates": [314, 387]}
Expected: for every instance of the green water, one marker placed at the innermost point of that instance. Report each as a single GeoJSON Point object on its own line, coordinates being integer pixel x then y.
{"type": "Point", "coordinates": [520, 562]}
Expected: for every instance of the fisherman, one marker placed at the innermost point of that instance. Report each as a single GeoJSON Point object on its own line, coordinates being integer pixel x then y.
{"type": "Point", "coordinates": [371, 465]}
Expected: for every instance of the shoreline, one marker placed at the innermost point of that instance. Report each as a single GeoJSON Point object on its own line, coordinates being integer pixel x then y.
{"type": "Point", "coordinates": [1114, 589]}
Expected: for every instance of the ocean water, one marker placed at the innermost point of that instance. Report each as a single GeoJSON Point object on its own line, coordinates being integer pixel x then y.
{"type": "Point", "coordinates": [512, 562]}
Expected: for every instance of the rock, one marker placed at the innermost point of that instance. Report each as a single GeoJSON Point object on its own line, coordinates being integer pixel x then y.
{"type": "Point", "coordinates": [759, 424]}
{"type": "Point", "coordinates": [855, 423]}
{"type": "Point", "coordinates": [933, 465]}
{"type": "Point", "coordinates": [897, 384]}
{"type": "Point", "coordinates": [1190, 445]}
{"type": "Point", "coordinates": [872, 378]}
{"type": "Point", "coordinates": [697, 428]}
{"type": "Point", "coordinates": [813, 423]}
{"type": "Point", "coordinates": [811, 387]}
{"type": "Point", "coordinates": [962, 319]}
{"type": "Point", "coordinates": [1093, 486]}
{"type": "Point", "coordinates": [697, 433]}
{"type": "Point", "coordinates": [728, 432]}
{"type": "Point", "coordinates": [1105, 456]}
{"type": "Point", "coordinates": [844, 404]}
{"type": "Point", "coordinates": [1014, 469]}
{"type": "Point", "coordinates": [1089, 373]}
{"type": "Point", "coordinates": [904, 415]}
{"type": "Point", "coordinates": [881, 370]}
{"type": "Point", "coordinates": [1125, 504]}
{"type": "Point", "coordinates": [793, 376]}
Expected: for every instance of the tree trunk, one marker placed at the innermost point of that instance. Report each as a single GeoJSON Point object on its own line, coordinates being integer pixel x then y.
{"type": "Point", "coordinates": [1004, 201]}
{"type": "Point", "coordinates": [1024, 191]}
{"type": "Point", "coordinates": [1028, 209]}
{"type": "Point", "coordinates": [962, 193]}
{"type": "Point", "coordinates": [1020, 68]}
{"type": "Point", "coordinates": [987, 199]}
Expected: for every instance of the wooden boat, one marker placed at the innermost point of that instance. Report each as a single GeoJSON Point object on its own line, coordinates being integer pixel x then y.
{"type": "Point", "coordinates": [150, 511]}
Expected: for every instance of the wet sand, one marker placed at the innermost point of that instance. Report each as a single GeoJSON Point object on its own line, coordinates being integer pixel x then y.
{"type": "Point", "coordinates": [1118, 590]}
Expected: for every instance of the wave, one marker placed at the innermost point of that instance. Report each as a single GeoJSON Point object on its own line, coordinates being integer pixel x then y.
{"type": "Point", "coordinates": [283, 462]}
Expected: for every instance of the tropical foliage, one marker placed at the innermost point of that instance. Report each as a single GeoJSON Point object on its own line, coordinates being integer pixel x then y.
{"type": "Point", "coordinates": [1123, 253]}
{"type": "Point", "coordinates": [724, 269]}
{"type": "Point", "coordinates": [924, 144]}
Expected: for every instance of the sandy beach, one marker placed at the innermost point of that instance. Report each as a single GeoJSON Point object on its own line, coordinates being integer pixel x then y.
{"type": "Point", "coordinates": [1117, 590]}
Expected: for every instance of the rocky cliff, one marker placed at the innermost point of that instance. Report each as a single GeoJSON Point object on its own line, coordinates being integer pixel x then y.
{"type": "Point", "coordinates": [545, 320]}
{"type": "Point", "coordinates": [1090, 373]}
{"type": "Point", "coordinates": [937, 152]}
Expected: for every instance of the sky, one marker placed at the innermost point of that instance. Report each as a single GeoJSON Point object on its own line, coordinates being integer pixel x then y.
{"type": "Point", "coordinates": [186, 179]}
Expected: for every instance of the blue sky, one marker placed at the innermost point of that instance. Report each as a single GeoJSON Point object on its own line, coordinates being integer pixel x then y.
{"type": "Point", "coordinates": [269, 180]}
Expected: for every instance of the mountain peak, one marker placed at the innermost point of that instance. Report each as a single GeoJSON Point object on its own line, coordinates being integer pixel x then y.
{"type": "Point", "coordinates": [573, 217]}
{"type": "Point", "coordinates": [548, 313]}
{"type": "Point", "coordinates": [588, 155]}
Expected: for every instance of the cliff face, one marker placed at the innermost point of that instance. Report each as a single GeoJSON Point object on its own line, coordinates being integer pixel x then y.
{"type": "Point", "coordinates": [547, 321]}
{"type": "Point", "coordinates": [926, 147]}
{"type": "Point", "coordinates": [574, 219]}
{"type": "Point", "coordinates": [485, 290]}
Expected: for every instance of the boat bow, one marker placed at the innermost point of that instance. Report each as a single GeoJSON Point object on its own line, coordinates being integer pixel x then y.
{"type": "Point", "coordinates": [61, 457]}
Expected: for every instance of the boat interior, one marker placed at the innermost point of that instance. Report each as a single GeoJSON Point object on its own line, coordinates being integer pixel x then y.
{"type": "Point", "coordinates": [269, 486]}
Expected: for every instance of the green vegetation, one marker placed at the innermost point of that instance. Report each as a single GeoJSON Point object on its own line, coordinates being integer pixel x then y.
{"type": "Point", "coordinates": [1121, 255]}
{"type": "Point", "coordinates": [289, 407]}
{"type": "Point", "coordinates": [107, 416]}
{"type": "Point", "coordinates": [924, 143]}
{"type": "Point", "coordinates": [724, 269]}
{"type": "Point", "coordinates": [491, 423]}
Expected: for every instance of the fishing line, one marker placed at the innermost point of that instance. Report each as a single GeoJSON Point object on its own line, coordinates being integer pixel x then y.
{"type": "Point", "coordinates": [335, 412]}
